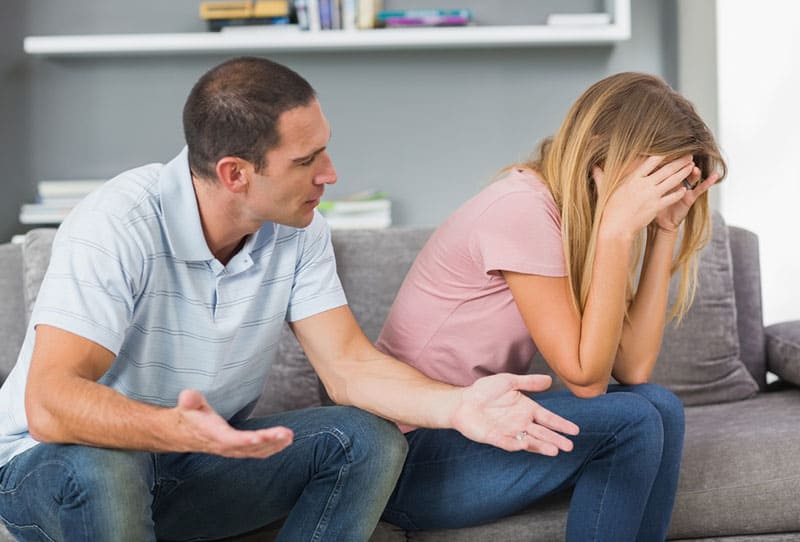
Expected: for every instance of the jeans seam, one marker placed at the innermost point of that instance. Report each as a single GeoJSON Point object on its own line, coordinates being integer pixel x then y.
{"type": "Point", "coordinates": [346, 447]}
{"type": "Point", "coordinates": [605, 488]}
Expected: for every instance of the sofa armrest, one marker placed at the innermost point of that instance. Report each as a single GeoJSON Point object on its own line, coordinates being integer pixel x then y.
{"type": "Point", "coordinates": [783, 350]}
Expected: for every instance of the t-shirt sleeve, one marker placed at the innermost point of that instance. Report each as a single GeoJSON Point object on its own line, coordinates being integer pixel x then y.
{"type": "Point", "coordinates": [519, 231]}
{"type": "Point", "coordinates": [316, 287]}
{"type": "Point", "coordinates": [90, 284]}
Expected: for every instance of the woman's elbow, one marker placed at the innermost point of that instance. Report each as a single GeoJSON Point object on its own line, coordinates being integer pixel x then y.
{"type": "Point", "coordinates": [588, 391]}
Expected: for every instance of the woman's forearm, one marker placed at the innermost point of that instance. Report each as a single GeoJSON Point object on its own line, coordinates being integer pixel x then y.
{"type": "Point", "coordinates": [642, 333]}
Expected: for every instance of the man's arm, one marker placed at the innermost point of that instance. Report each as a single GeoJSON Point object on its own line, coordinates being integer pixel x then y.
{"type": "Point", "coordinates": [493, 410]}
{"type": "Point", "coordinates": [65, 404]}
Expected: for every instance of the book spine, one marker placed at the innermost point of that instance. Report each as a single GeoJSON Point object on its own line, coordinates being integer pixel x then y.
{"type": "Point", "coordinates": [349, 14]}
{"type": "Point", "coordinates": [367, 10]}
{"type": "Point", "coordinates": [313, 16]}
{"type": "Point", "coordinates": [325, 15]}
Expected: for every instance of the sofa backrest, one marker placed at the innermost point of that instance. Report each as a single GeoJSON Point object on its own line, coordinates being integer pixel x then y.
{"type": "Point", "coordinates": [372, 265]}
{"type": "Point", "coordinates": [12, 307]}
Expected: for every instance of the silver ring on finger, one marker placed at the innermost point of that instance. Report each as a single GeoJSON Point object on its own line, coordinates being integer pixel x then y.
{"type": "Point", "coordinates": [521, 435]}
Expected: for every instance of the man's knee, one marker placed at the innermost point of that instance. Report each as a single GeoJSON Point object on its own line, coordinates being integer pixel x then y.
{"type": "Point", "coordinates": [84, 490]}
{"type": "Point", "coordinates": [372, 442]}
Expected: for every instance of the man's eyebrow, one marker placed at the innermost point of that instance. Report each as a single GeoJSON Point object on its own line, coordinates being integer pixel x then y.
{"type": "Point", "coordinates": [309, 156]}
{"type": "Point", "coordinates": [314, 153]}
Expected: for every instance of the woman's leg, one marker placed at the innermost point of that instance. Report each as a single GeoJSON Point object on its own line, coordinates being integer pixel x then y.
{"type": "Point", "coordinates": [658, 512]}
{"type": "Point", "coordinates": [449, 481]}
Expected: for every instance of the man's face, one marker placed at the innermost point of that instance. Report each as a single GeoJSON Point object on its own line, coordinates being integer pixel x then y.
{"type": "Point", "coordinates": [288, 189]}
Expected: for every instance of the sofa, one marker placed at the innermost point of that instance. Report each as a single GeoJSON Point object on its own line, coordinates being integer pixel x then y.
{"type": "Point", "coordinates": [740, 476]}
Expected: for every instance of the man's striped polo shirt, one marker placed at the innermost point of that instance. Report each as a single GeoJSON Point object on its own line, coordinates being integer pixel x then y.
{"type": "Point", "coordinates": [131, 271]}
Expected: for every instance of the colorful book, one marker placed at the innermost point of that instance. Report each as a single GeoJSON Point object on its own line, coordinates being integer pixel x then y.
{"type": "Point", "coordinates": [242, 9]}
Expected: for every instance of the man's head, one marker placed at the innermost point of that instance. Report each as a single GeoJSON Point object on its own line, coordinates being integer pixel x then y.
{"type": "Point", "coordinates": [233, 110]}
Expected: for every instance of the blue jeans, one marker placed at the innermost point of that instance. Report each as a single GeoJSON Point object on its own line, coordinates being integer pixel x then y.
{"type": "Point", "coordinates": [332, 483]}
{"type": "Point", "coordinates": [623, 470]}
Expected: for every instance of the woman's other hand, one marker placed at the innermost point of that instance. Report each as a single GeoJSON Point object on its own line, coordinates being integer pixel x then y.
{"type": "Point", "coordinates": [645, 193]}
{"type": "Point", "coordinates": [670, 218]}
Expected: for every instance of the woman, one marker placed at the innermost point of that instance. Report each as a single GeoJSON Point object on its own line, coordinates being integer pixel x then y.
{"type": "Point", "coordinates": [545, 259]}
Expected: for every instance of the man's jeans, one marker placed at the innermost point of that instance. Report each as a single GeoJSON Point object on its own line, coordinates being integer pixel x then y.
{"type": "Point", "coordinates": [624, 469]}
{"type": "Point", "coordinates": [332, 483]}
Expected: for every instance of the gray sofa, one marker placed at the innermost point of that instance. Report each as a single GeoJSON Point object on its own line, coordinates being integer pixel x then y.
{"type": "Point", "coordinates": [740, 477]}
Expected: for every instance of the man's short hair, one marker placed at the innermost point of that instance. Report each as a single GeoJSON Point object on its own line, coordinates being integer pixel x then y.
{"type": "Point", "coordinates": [233, 110]}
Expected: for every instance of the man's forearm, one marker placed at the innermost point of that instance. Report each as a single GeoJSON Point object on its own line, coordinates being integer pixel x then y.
{"type": "Point", "coordinates": [394, 390]}
{"type": "Point", "coordinates": [76, 410]}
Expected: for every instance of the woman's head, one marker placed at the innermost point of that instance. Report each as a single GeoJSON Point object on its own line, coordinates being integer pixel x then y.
{"type": "Point", "coordinates": [614, 124]}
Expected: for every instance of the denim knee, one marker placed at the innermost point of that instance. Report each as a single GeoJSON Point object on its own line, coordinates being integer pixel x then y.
{"type": "Point", "coordinates": [80, 492]}
{"type": "Point", "coordinates": [668, 404]}
{"type": "Point", "coordinates": [374, 439]}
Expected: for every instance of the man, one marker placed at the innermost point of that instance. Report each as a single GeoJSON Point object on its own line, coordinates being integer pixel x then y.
{"type": "Point", "coordinates": [125, 417]}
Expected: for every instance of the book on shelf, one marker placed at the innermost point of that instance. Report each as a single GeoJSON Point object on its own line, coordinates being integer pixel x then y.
{"type": "Point", "coordinates": [314, 15]}
{"type": "Point", "coordinates": [363, 210]}
{"type": "Point", "coordinates": [42, 213]}
{"type": "Point", "coordinates": [55, 199]}
{"type": "Point", "coordinates": [67, 188]}
{"type": "Point", "coordinates": [217, 25]}
{"type": "Point", "coordinates": [244, 9]}
{"type": "Point", "coordinates": [578, 19]}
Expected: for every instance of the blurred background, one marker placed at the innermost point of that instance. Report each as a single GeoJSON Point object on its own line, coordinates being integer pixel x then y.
{"type": "Point", "coordinates": [428, 126]}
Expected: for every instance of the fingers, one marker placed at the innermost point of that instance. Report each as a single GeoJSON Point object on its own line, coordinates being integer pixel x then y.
{"type": "Point", "coordinates": [191, 400]}
{"type": "Point", "coordinates": [533, 382]}
{"type": "Point", "coordinates": [648, 166]}
{"type": "Point", "coordinates": [545, 418]}
{"type": "Point", "coordinates": [256, 444]}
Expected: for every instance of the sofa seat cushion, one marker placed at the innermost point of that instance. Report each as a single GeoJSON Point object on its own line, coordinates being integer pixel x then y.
{"type": "Point", "coordinates": [739, 473]}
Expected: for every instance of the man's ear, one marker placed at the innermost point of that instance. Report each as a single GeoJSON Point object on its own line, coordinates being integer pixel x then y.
{"type": "Point", "coordinates": [234, 173]}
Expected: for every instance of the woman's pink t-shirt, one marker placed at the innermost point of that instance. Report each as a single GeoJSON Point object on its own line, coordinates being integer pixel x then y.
{"type": "Point", "coordinates": [454, 317]}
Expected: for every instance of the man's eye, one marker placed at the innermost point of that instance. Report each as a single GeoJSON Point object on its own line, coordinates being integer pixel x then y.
{"type": "Point", "coordinates": [307, 162]}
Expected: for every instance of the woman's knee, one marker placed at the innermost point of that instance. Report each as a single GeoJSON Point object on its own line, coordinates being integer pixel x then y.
{"type": "Point", "coordinates": [669, 406]}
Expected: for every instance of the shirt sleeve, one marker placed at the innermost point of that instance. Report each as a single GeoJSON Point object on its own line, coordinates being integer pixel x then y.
{"type": "Point", "coordinates": [90, 284]}
{"type": "Point", "coordinates": [316, 287]}
{"type": "Point", "coordinates": [519, 231]}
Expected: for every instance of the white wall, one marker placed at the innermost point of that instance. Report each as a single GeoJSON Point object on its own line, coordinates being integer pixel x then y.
{"type": "Point", "coordinates": [758, 48]}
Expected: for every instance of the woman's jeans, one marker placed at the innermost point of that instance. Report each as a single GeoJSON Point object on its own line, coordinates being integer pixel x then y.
{"type": "Point", "coordinates": [332, 483]}
{"type": "Point", "coordinates": [623, 470]}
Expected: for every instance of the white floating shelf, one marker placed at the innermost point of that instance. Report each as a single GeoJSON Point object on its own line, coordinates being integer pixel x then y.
{"type": "Point", "coordinates": [290, 40]}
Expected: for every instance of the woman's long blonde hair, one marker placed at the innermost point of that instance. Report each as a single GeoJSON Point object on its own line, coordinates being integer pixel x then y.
{"type": "Point", "coordinates": [615, 122]}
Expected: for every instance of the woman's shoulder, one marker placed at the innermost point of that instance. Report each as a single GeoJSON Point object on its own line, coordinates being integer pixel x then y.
{"type": "Point", "coordinates": [518, 186]}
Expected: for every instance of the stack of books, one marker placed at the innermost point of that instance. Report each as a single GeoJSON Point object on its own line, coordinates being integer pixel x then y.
{"type": "Point", "coordinates": [237, 14]}
{"type": "Point", "coordinates": [55, 200]}
{"type": "Point", "coordinates": [317, 15]}
{"type": "Point", "coordinates": [424, 17]}
{"type": "Point", "coordinates": [363, 210]}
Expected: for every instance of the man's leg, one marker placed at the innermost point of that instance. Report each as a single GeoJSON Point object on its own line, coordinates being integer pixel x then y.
{"type": "Point", "coordinates": [658, 512]}
{"type": "Point", "coordinates": [449, 481]}
{"type": "Point", "coordinates": [78, 493]}
{"type": "Point", "coordinates": [332, 483]}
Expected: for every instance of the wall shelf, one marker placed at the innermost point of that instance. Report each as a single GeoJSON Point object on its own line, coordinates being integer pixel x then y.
{"type": "Point", "coordinates": [286, 40]}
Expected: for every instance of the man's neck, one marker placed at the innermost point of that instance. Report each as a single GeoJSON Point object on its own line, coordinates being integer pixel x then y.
{"type": "Point", "coordinates": [223, 235]}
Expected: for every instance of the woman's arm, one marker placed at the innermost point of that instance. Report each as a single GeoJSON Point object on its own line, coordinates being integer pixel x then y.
{"type": "Point", "coordinates": [582, 349]}
{"type": "Point", "coordinates": [642, 334]}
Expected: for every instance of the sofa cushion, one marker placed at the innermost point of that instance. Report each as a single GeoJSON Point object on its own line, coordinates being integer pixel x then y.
{"type": "Point", "coordinates": [783, 350]}
{"type": "Point", "coordinates": [749, 317]}
{"type": "Point", "coordinates": [12, 301]}
{"type": "Point", "coordinates": [372, 264]}
{"type": "Point", "coordinates": [36, 251]}
{"type": "Point", "coordinates": [739, 472]}
{"type": "Point", "coordinates": [699, 359]}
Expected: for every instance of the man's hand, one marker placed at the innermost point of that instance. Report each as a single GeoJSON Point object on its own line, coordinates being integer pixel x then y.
{"type": "Point", "coordinates": [493, 410]}
{"type": "Point", "coordinates": [206, 431]}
